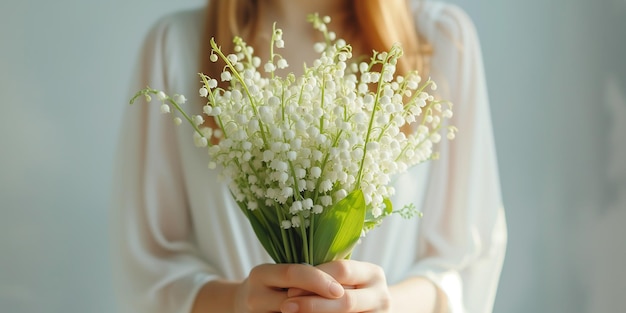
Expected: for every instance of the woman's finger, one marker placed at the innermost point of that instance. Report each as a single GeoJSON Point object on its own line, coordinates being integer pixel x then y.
{"type": "Point", "coordinates": [353, 301]}
{"type": "Point", "coordinates": [267, 299]}
{"type": "Point", "coordinates": [297, 292]}
{"type": "Point", "coordinates": [300, 276]}
{"type": "Point", "coordinates": [354, 273]}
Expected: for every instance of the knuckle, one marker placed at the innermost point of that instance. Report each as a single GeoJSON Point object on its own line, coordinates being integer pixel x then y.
{"type": "Point", "coordinates": [250, 304]}
{"type": "Point", "coordinates": [379, 273]}
{"type": "Point", "coordinates": [290, 272]}
{"type": "Point", "coordinates": [255, 274]}
{"type": "Point", "coordinates": [306, 306]}
{"type": "Point", "coordinates": [343, 269]}
{"type": "Point", "coordinates": [258, 274]}
{"type": "Point", "coordinates": [349, 301]}
{"type": "Point", "coordinates": [385, 302]}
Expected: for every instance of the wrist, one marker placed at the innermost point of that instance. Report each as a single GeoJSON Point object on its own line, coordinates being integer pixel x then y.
{"type": "Point", "coordinates": [216, 296]}
{"type": "Point", "coordinates": [415, 295]}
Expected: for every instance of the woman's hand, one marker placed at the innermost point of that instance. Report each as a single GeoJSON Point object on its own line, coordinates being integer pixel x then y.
{"type": "Point", "coordinates": [365, 291]}
{"type": "Point", "coordinates": [265, 289]}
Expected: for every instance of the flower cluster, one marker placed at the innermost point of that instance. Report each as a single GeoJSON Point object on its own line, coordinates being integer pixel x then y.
{"type": "Point", "coordinates": [297, 146]}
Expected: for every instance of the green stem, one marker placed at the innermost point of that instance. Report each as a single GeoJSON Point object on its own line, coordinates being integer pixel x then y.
{"type": "Point", "coordinates": [284, 234]}
{"type": "Point", "coordinates": [245, 88]}
{"type": "Point", "coordinates": [322, 103]}
{"type": "Point", "coordinates": [311, 233]}
{"type": "Point", "coordinates": [371, 123]}
{"type": "Point", "coordinates": [305, 240]}
{"type": "Point", "coordinates": [149, 90]}
{"type": "Point", "coordinates": [212, 100]}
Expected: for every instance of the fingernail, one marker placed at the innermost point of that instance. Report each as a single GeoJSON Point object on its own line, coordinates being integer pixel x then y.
{"type": "Point", "coordinates": [336, 289]}
{"type": "Point", "coordinates": [290, 307]}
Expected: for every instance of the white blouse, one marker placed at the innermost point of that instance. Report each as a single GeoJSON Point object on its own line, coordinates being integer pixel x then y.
{"type": "Point", "coordinates": [176, 227]}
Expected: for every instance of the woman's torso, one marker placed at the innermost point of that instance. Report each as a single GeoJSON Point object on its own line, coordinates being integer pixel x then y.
{"type": "Point", "coordinates": [221, 232]}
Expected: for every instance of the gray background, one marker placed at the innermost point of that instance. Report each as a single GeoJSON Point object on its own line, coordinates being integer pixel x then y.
{"type": "Point", "coordinates": [557, 82]}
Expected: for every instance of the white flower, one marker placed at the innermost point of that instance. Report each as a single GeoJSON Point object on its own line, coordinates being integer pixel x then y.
{"type": "Point", "coordinates": [319, 47]}
{"type": "Point", "coordinates": [180, 99]}
{"type": "Point", "coordinates": [256, 61]}
{"type": "Point", "coordinates": [295, 221]}
{"type": "Point", "coordinates": [212, 83]}
{"type": "Point", "coordinates": [316, 172]}
{"type": "Point", "coordinates": [226, 76]}
{"type": "Point", "coordinates": [177, 121]}
{"type": "Point", "coordinates": [200, 141]}
{"type": "Point", "coordinates": [317, 209]}
{"type": "Point", "coordinates": [292, 155]}
{"type": "Point", "coordinates": [307, 204]}
{"type": "Point", "coordinates": [435, 137]}
{"type": "Point", "coordinates": [161, 96]}
{"type": "Point", "coordinates": [326, 200]}
{"type": "Point", "coordinates": [232, 58]}
{"type": "Point", "coordinates": [203, 92]}
{"type": "Point", "coordinates": [268, 155]}
{"type": "Point", "coordinates": [282, 63]}
{"type": "Point", "coordinates": [198, 120]}
{"type": "Point", "coordinates": [269, 67]}
{"type": "Point", "coordinates": [252, 205]}
{"type": "Point", "coordinates": [372, 146]}
{"type": "Point", "coordinates": [165, 108]}
{"type": "Point", "coordinates": [287, 192]}
{"type": "Point", "coordinates": [363, 67]}
{"type": "Point", "coordinates": [377, 211]}
{"type": "Point", "coordinates": [326, 185]}
{"type": "Point", "coordinates": [340, 194]}
{"type": "Point", "coordinates": [279, 165]}
{"type": "Point", "coordinates": [285, 224]}
{"type": "Point", "coordinates": [296, 207]}
{"type": "Point", "coordinates": [252, 179]}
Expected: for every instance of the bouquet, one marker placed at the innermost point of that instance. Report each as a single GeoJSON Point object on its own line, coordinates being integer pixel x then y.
{"type": "Point", "coordinates": [309, 159]}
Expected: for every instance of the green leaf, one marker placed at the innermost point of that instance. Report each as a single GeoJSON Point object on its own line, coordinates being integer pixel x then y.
{"type": "Point", "coordinates": [339, 228]}
{"type": "Point", "coordinates": [388, 206]}
{"type": "Point", "coordinates": [265, 233]}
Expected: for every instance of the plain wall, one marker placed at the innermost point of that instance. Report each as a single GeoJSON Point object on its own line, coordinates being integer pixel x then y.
{"type": "Point", "coordinates": [65, 69]}
{"type": "Point", "coordinates": [557, 82]}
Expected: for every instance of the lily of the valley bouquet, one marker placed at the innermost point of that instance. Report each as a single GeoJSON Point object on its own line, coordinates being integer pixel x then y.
{"type": "Point", "coordinates": [310, 159]}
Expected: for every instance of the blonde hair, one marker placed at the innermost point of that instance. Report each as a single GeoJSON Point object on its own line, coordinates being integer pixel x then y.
{"type": "Point", "coordinates": [384, 21]}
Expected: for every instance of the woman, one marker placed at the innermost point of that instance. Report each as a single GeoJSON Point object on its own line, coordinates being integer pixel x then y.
{"type": "Point", "coordinates": [182, 244]}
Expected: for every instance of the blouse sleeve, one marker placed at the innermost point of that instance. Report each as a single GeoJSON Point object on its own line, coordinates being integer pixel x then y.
{"type": "Point", "coordinates": [463, 229]}
{"type": "Point", "coordinates": [157, 265]}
